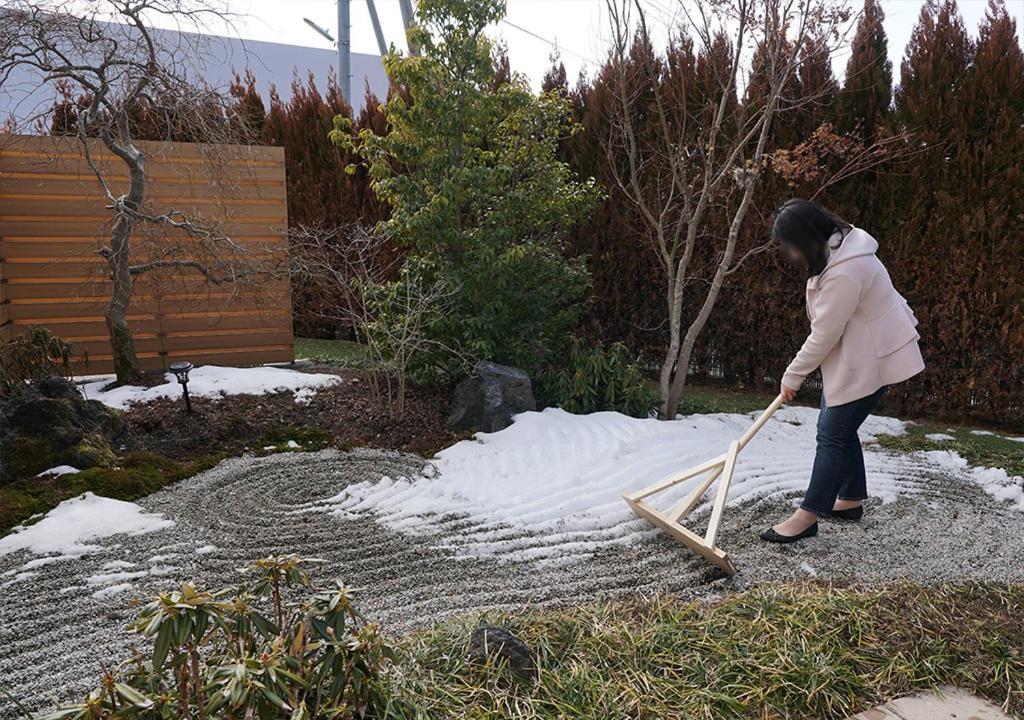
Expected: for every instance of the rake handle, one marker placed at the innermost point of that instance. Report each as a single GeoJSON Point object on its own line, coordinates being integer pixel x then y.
{"type": "Point", "coordinates": [761, 420]}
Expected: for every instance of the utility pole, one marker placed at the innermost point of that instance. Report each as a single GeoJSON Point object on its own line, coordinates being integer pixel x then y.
{"type": "Point", "coordinates": [372, 7]}
{"type": "Point", "coordinates": [344, 50]}
{"type": "Point", "coordinates": [407, 20]}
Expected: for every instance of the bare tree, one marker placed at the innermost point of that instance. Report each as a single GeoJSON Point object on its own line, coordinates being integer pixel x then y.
{"type": "Point", "coordinates": [359, 278]}
{"type": "Point", "coordinates": [122, 70]}
{"type": "Point", "coordinates": [691, 165]}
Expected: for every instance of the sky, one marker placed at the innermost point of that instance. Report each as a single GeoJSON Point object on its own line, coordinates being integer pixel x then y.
{"type": "Point", "coordinates": [534, 28]}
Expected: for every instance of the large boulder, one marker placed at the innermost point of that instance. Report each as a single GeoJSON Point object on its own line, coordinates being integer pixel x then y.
{"type": "Point", "coordinates": [489, 398]}
{"type": "Point", "coordinates": [51, 424]}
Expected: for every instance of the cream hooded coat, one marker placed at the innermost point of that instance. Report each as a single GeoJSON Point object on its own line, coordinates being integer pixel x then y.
{"type": "Point", "coordinates": [863, 332]}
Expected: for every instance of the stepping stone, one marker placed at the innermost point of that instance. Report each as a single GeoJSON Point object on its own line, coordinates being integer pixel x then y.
{"type": "Point", "coordinates": [946, 703]}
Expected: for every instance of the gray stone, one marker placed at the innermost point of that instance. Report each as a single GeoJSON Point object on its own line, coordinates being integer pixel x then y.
{"type": "Point", "coordinates": [51, 424]}
{"type": "Point", "coordinates": [489, 398]}
{"type": "Point", "coordinates": [497, 646]}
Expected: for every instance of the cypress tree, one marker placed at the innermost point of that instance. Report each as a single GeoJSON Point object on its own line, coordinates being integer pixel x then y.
{"type": "Point", "coordinates": [866, 97]}
{"type": "Point", "coordinates": [933, 75]}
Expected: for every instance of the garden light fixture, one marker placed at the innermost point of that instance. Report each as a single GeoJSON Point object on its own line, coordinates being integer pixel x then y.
{"type": "Point", "coordinates": [180, 370]}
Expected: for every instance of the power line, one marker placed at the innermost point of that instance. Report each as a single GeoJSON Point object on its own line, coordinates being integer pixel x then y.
{"type": "Point", "coordinates": [552, 43]}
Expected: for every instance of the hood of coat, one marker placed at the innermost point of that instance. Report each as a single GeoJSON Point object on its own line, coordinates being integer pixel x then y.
{"type": "Point", "coordinates": [856, 244]}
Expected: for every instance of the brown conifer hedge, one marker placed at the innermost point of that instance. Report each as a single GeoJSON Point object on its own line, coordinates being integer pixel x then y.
{"type": "Point", "coordinates": [949, 218]}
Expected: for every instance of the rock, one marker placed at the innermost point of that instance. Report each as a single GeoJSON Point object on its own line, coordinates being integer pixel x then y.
{"type": "Point", "coordinates": [489, 398]}
{"type": "Point", "coordinates": [51, 424]}
{"type": "Point", "coordinates": [490, 643]}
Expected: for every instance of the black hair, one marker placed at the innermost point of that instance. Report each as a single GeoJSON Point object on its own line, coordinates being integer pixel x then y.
{"type": "Point", "coordinates": [806, 228]}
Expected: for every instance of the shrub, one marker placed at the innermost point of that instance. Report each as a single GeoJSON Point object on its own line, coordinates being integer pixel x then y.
{"type": "Point", "coordinates": [33, 356]}
{"type": "Point", "coordinates": [598, 379]}
{"type": "Point", "coordinates": [480, 201]}
{"type": "Point", "coordinates": [217, 655]}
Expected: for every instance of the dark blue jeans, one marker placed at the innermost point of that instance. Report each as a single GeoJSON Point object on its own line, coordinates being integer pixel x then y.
{"type": "Point", "coordinates": [839, 462]}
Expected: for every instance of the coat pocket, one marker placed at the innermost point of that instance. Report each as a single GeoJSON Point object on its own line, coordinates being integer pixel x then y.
{"type": "Point", "coordinates": [893, 329]}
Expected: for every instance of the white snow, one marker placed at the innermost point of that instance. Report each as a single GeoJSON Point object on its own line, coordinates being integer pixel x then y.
{"type": "Point", "coordinates": [549, 487]}
{"type": "Point", "coordinates": [995, 481]}
{"type": "Point", "coordinates": [206, 549]}
{"type": "Point", "coordinates": [118, 565]}
{"type": "Point", "coordinates": [551, 484]}
{"type": "Point", "coordinates": [67, 529]}
{"type": "Point", "coordinates": [214, 381]}
{"type": "Point", "coordinates": [59, 470]}
{"type": "Point", "coordinates": [939, 437]}
{"type": "Point", "coordinates": [291, 444]}
{"type": "Point", "coordinates": [112, 590]}
{"type": "Point", "coordinates": [982, 432]}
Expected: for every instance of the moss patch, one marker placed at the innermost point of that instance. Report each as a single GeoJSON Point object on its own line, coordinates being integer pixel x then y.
{"type": "Point", "coordinates": [803, 651]}
{"type": "Point", "coordinates": [134, 476]}
{"type": "Point", "coordinates": [983, 450]}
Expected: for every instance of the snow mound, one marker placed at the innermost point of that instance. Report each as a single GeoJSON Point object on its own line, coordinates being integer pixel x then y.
{"type": "Point", "coordinates": [551, 484]}
{"type": "Point", "coordinates": [67, 528]}
{"type": "Point", "coordinates": [214, 381]}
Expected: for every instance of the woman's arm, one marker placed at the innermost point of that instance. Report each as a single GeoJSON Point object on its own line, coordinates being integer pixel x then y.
{"type": "Point", "coordinates": [837, 300]}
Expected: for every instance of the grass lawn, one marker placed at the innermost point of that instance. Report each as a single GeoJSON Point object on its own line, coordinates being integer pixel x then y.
{"type": "Point", "coordinates": [986, 450]}
{"type": "Point", "coordinates": [343, 353]}
{"type": "Point", "coordinates": [803, 651]}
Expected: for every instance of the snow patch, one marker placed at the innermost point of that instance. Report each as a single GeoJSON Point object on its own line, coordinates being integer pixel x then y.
{"type": "Point", "coordinates": [939, 437]}
{"type": "Point", "coordinates": [995, 481]}
{"type": "Point", "coordinates": [66, 529]}
{"type": "Point", "coordinates": [112, 590]}
{"type": "Point", "coordinates": [550, 485]}
{"type": "Point", "coordinates": [214, 381]}
{"type": "Point", "coordinates": [58, 471]}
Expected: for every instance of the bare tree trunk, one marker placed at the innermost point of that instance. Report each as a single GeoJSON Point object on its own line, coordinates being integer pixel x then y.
{"type": "Point", "coordinates": [126, 360]}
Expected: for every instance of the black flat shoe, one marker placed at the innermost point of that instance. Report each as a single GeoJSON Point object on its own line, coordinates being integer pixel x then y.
{"type": "Point", "coordinates": [854, 513]}
{"type": "Point", "coordinates": [771, 536]}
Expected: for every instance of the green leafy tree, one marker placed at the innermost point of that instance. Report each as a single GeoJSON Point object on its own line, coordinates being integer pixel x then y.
{"type": "Point", "coordinates": [478, 195]}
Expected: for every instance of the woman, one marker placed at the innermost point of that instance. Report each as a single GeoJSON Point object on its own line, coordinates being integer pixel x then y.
{"type": "Point", "coordinates": [863, 337]}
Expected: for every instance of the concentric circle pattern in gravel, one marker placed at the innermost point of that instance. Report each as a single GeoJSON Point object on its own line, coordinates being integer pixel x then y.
{"type": "Point", "coordinates": [62, 624]}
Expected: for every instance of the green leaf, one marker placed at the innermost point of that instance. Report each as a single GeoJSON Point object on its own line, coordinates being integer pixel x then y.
{"type": "Point", "coordinates": [161, 646]}
{"type": "Point", "coordinates": [133, 696]}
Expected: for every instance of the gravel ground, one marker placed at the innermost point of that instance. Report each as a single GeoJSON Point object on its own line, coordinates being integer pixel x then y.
{"type": "Point", "coordinates": [56, 634]}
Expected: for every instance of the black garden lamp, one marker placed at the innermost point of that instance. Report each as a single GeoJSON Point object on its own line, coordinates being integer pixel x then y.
{"type": "Point", "coordinates": [180, 370]}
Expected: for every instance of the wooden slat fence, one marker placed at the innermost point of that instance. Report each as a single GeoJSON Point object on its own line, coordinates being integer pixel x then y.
{"type": "Point", "coordinates": [53, 222]}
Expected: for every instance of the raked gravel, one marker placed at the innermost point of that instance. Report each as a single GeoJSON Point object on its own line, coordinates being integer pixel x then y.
{"type": "Point", "coordinates": [57, 630]}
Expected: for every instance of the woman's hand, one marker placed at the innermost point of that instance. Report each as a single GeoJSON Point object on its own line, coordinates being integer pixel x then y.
{"type": "Point", "coordinates": [787, 393]}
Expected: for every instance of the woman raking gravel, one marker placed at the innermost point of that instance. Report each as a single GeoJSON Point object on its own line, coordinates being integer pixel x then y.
{"type": "Point", "coordinates": [863, 337]}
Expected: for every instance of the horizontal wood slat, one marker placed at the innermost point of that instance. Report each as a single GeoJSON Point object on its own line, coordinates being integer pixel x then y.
{"type": "Point", "coordinates": [53, 220]}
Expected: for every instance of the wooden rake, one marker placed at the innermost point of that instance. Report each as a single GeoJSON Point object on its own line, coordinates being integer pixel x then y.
{"type": "Point", "coordinates": [671, 522]}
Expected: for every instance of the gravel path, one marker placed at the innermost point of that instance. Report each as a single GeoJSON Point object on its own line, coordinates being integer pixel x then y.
{"type": "Point", "coordinates": [56, 632]}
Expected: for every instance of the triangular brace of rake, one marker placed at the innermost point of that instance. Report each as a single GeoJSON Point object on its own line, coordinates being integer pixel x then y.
{"type": "Point", "coordinates": [671, 522]}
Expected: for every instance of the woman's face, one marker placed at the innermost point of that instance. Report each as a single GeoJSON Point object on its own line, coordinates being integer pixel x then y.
{"type": "Point", "coordinates": [792, 256]}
